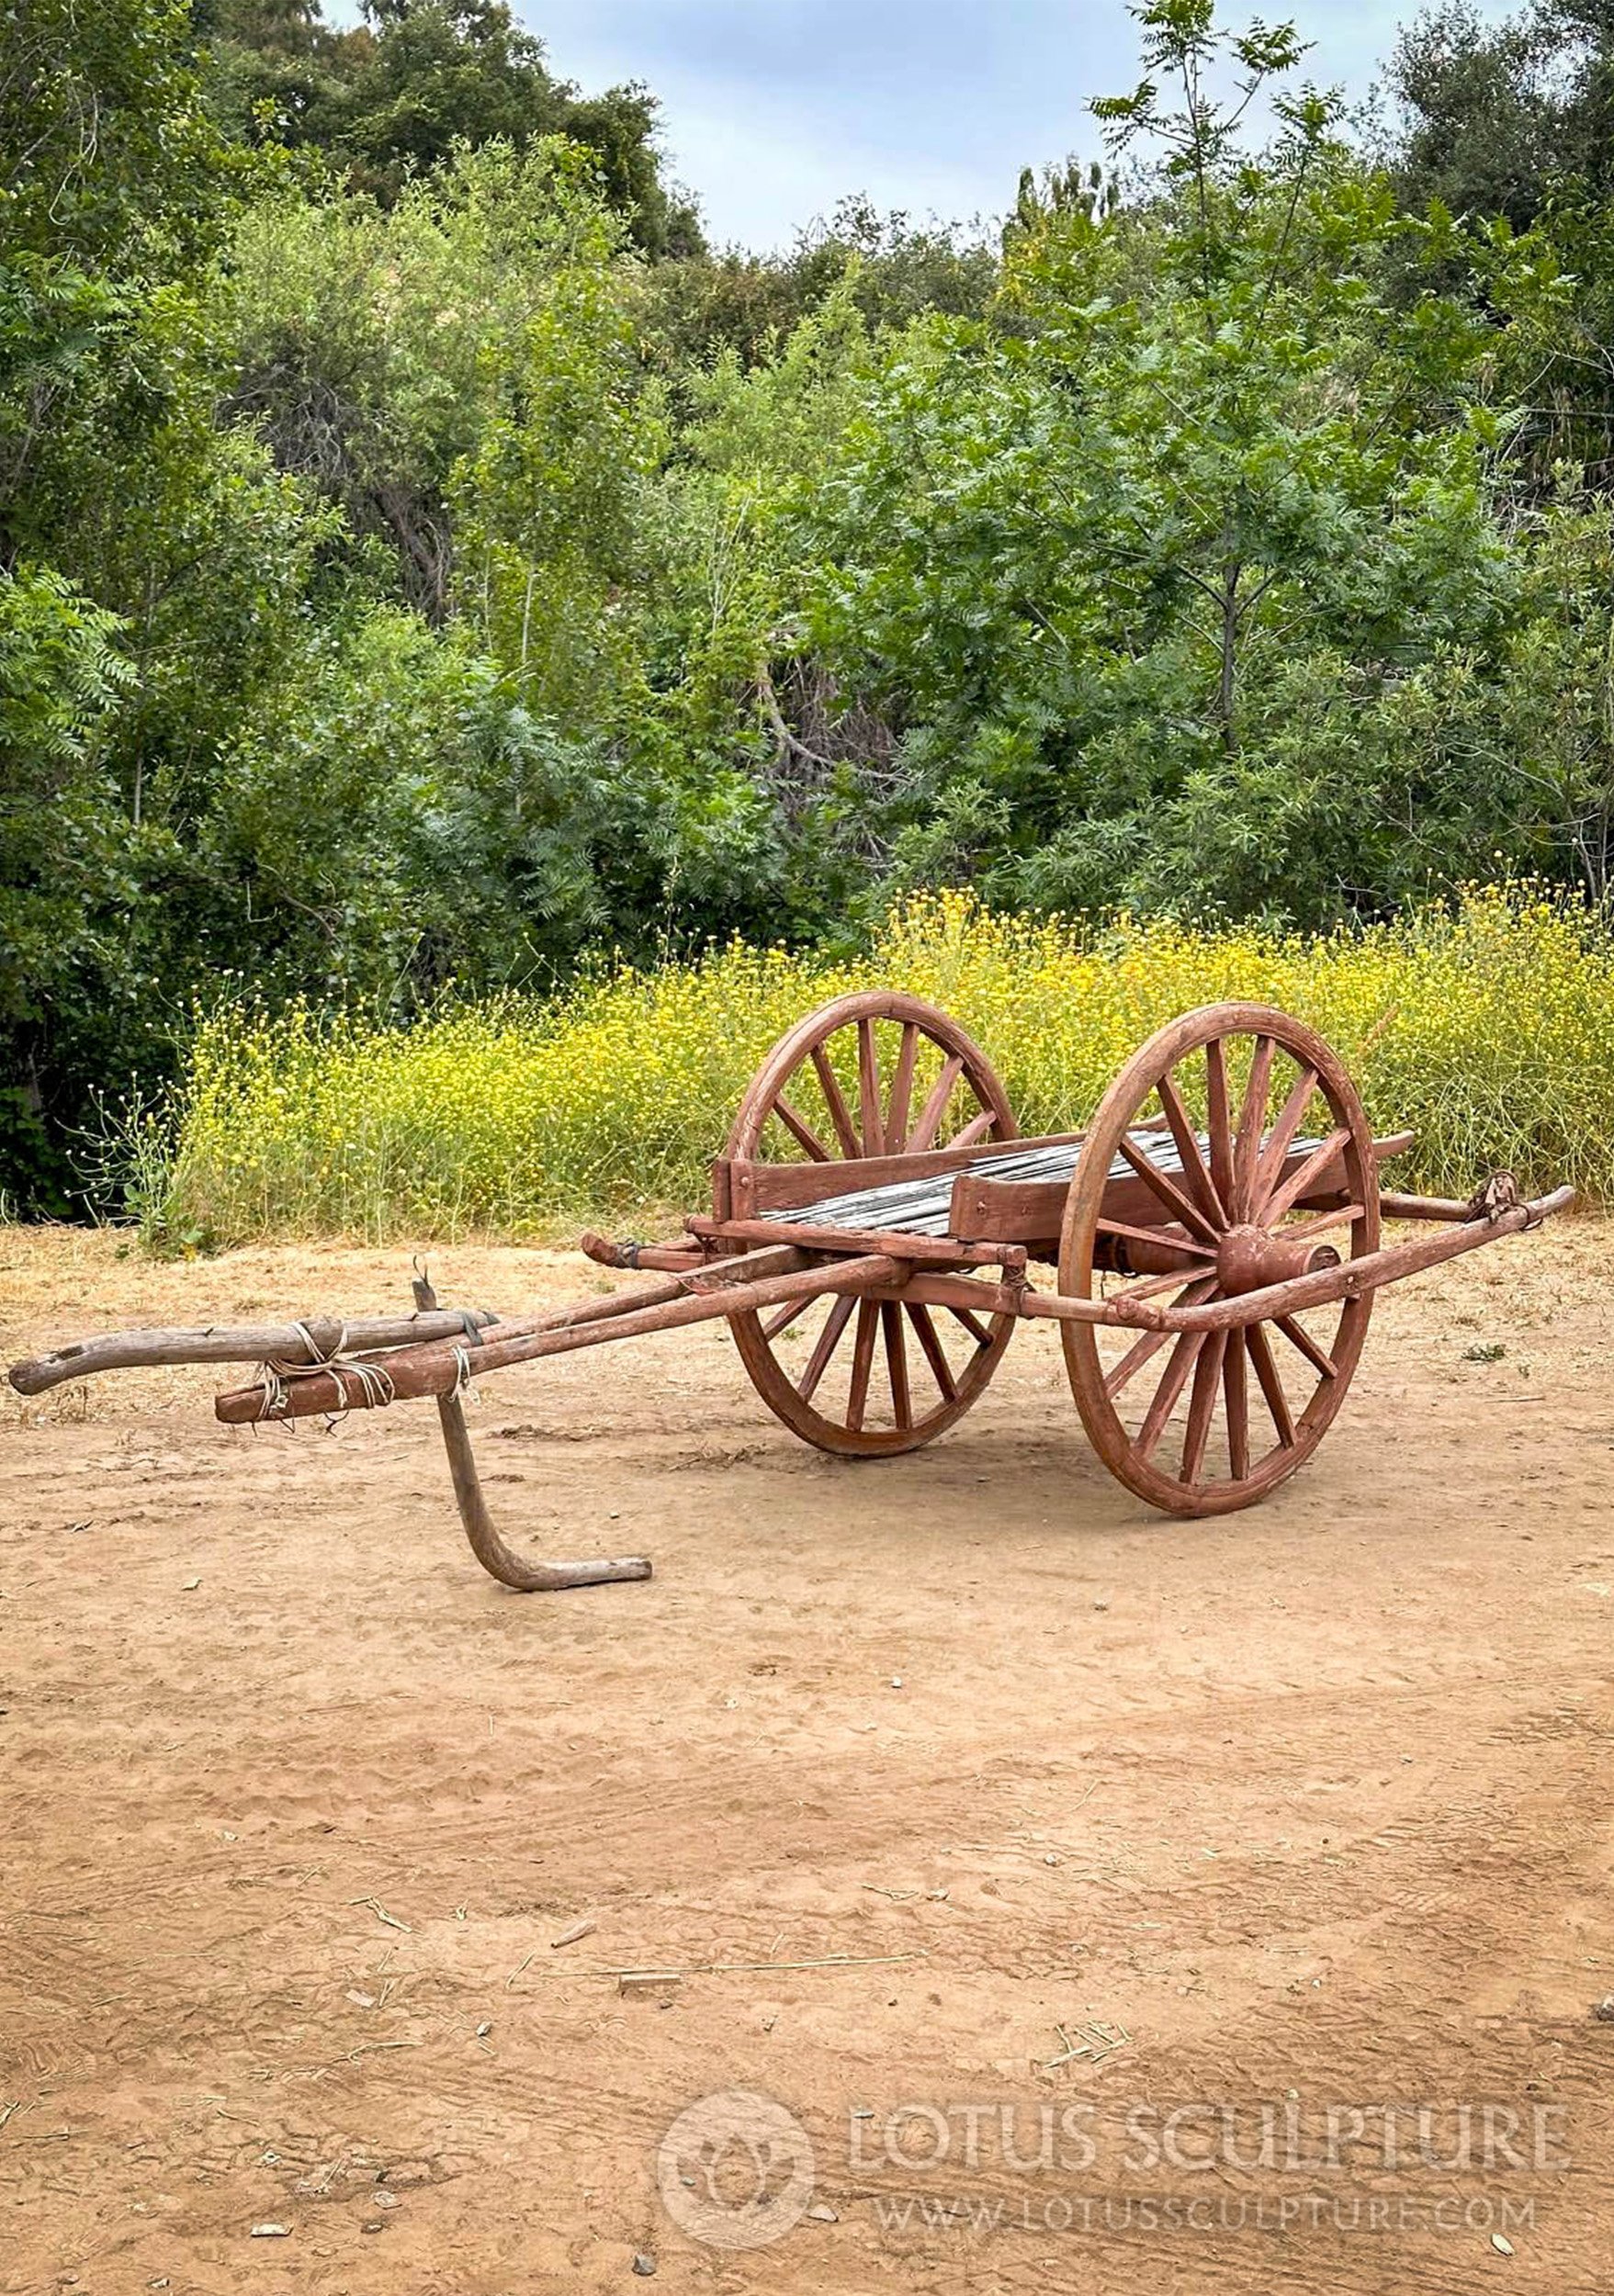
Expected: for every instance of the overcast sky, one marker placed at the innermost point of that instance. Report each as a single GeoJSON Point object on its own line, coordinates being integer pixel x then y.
{"type": "Point", "coordinates": [772, 109]}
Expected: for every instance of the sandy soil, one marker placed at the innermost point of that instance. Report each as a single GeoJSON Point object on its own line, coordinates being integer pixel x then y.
{"type": "Point", "coordinates": [1309, 1807]}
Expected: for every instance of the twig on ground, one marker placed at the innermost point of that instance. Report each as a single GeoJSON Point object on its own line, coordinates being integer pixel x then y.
{"type": "Point", "coordinates": [380, 1912]}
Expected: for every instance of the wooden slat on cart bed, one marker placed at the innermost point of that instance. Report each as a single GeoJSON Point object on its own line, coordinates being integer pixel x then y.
{"type": "Point", "coordinates": [1012, 1192]}
{"type": "Point", "coordinates": [924, 1206]}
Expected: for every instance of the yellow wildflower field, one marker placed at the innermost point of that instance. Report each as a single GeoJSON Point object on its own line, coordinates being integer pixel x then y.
{"type": "Point", "coordinates": [1489, 1028]}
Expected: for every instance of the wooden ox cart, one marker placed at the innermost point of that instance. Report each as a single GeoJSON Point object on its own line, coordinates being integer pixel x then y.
{"type": "Point", "coordinates": [1215, 1229]}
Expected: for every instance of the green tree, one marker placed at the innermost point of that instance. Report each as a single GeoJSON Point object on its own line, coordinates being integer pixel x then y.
{"type": "Point", "coordinates": [1491, 118]}
{"type": "Point", "coordinates": [396, 95]}
{"type": "Point", "coordinates": [458, 377]}
{"type": "Point", "coordinates": [389, 816]}
{"type": "Point", "coordinates": [108, 157]}
{"type": "Point", "coordinates": [113, 181]}
{"type": "Point", "coordinates": [61, 679]}
{"type": "Point", "coordinates": [1150, 578]}
{"type": "Point", "coordinates": [700, 305]}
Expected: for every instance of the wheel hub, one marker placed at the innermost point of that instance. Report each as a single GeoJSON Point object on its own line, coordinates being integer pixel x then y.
{"type": "Point", "coordinates": [1248, 1259]}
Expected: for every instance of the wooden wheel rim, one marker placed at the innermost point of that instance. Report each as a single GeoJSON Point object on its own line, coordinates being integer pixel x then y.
{"type": "Point", "coordinates": [894, 1345]}
{"type": "Point", "coordinates": [1214, 1370]}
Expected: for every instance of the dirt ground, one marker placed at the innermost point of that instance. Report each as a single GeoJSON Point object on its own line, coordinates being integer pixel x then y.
{"type": "Point", "coordinates": [1300, 1811]}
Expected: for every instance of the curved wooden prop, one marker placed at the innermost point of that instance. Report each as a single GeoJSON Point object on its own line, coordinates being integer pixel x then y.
{"type": "Point", "coordinates": [500, 1560]}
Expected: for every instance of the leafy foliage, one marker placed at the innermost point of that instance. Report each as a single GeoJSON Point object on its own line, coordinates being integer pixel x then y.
{"type": "Point", "coordinates": [1169, 575]}
{"type": "Point", "coordinates": [60, 677]}
{"type": "Point", "coordinates": [425, 564]}
{"type": "Point", "coordinates": [385, 103]}
{"type": "Point", "coordinates": [894, 270]}
{"type": "Point", "coordinates": [1495, 117]}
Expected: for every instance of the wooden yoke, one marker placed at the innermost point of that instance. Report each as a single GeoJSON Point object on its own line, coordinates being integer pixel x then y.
{"type": "Point", "coordinates": [313, 1341]}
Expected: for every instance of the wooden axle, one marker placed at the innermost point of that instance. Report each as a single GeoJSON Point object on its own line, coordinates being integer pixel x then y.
{"type": "Point", "coordinates": [1349, 1280]}
{"type": "Point", "coordinates": [1250, 1259]}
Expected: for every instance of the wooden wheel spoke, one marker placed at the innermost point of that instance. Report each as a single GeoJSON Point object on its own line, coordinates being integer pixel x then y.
{"type": "Point", "coordinates": [934, 1352]}
{"type": "Point", "coordinates": [862, 1357]}
{"type": "Point", "coordinates": [1166, 1189]}
{"type": "Point", "coordinates": [1260, 1354]}
{"type": "Point", "coordinates": [1195, 1172]}
{"type": "Point", "coordinates": [896, 1362]}
{"type": "Point", "coordinates": [935, 1107]}
{"type": "Point", "coordinates": [1155, 1286]}
{"type": "Point", "coordinates": [1235, 1391]}
{"type": "Point", "coordinates": [1275, 1154]}
{"type": "Point", "coordinates": [835, 1101]}
{"type": "Point", "coordinates": [868, 1091]}
{"type": "Point", "coordinates": [1155, 1235]}
{"type": "Point", "coordinates": [802, 1131]}
{"type": "Point", "coordinates": [897, 1108]}
{"type": "Point", "coordinates": [1345, 1216]}
{"type": "Point", "coordinates": [1183, 1357]}
{"type": "Point", "coordinates": [829, 1339]}
{"type": "Point", "coordinates": [1144, 1350]}
{"type": "Point", "coordinates": [1201, 1422]}
{"type": "Point", "coordinates": [865, 1078]}
{"type": "Point", "coordinates": [1304, 1177]}
{"type": "Point", "coordinates": [783, 1318]}
{"type": "Point", "coordinates": [1219, 1121]}
{"type": "Point", "coordinates": [976, 1129]}
{"type": "Point", "coordinates": [1252, 1121]}
{"type": "Point", "coordinates": [1202, 1405]}
{"type": "Point", "coordinates": [1297, 1335]}
{"type": "Point", "coordinates": [980, 1332]}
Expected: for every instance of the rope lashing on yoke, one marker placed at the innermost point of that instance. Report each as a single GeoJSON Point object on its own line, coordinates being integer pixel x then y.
{"type": "Point", "coordinates": [1498, 1194]}
{"type": "Point", "coordinates": [473, 1338]}
{"type": "Point", "coordinates": [279, 1374]}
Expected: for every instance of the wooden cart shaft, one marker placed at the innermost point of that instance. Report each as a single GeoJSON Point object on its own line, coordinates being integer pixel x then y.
{"type": "Point", "coordinates": [734, 1288]}
{"type": "Point", "coordinates": [1246, 1225]}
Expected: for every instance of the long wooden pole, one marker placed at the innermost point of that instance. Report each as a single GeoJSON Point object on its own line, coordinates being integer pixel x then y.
{"type": "Point", "coordinates": [360, 1335]}
{"type": "Point", "coordinates": [1367, 1274]}
{"type": "Point", "coordinates": [440, 1370]}
{"type": "Point", "coordinates": [1352, 1277]}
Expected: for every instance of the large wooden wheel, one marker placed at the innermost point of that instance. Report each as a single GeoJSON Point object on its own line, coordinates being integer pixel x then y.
{"type": "Point", "coordinates": [876, 1075]}
{"type": "Point", "coordinates": [1187, 1141]}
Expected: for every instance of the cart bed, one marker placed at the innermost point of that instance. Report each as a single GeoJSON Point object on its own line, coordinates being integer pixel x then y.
{"type": "Point", "coordinates": [923, 1206]}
